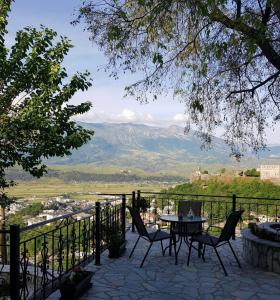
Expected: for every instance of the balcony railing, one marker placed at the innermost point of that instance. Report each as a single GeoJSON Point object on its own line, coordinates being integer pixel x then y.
{"type": "Point", "coordinates": [215, 208]}
{"type": "Point", "coordinates": [44, 253]}
{"type": "Point", "coordinates": [38, 257]}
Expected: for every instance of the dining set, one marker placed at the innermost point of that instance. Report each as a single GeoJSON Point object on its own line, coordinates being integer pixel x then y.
{"type": "Point", "coordinates": [187, 227]}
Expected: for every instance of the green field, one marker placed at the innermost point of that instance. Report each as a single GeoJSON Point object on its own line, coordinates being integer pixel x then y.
{"type": "Point", "coordinates": [41, 189]}
{"type": "Point", "coordinates": [78, 181]}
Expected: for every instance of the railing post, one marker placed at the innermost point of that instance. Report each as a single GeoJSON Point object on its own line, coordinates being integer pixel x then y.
{"type": "Point", "coordinates": [233, 202]}
{"type": "Point", "coordinates": [233, 210]}
{"type": "Point", "coordinates": [3, 239]}
{"type": "Point", "coordinates": [138, 199]}
{"type": "Point", "coordinates": [133, 206]}
{"type": "Point", "coordinates": [123, 218]}
{"type": "Point", "coordinates": [14, 262]}
{"type": "Point", "coordinates": [97, 234]}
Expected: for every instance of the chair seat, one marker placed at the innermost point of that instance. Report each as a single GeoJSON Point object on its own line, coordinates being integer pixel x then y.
{"type": "Point", "coordinates": [206, 238]}
{"type": "Point", "coordinates": [159, 235]}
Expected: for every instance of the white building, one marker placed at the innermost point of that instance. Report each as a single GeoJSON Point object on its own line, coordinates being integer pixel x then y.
{"type": "Point", "coordinates": [270, 172]}
{"type": "Point", "coordinates": [35, 220]}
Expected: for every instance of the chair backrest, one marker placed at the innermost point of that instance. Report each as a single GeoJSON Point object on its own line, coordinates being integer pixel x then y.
{"type": "Point", "coordinates": [184, 207]}
{"type": "Point", "coordinates": [230, 225]}
{"type": "Point", "coordinates": [138, 221]}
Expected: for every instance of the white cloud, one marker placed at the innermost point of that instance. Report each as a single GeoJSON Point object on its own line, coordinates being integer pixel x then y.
{"type": "Point", "coordinates": [130, 116]}
{"type": "Point", "coordinates": [180, 118]}
{"type": "Point", "coordinates": [126, 116]}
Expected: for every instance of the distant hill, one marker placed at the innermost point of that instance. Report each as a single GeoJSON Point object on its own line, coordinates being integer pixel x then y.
{"type": "Point", "coordinates": [151, 148]}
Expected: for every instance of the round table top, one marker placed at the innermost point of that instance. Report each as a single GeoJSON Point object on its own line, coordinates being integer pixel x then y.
{"type": "Point", "coordinates": [175, 218]}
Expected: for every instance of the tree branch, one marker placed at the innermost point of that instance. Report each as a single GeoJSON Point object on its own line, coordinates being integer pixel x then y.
{"type": "Point", "coordinates": [238, 9]}
{"type": "Point", "coordinates": [267, 13]}
{"type": "Point", "coordinates": [254, 88]}
{"type": "Point", "coordinates": [252, 33]}
{"type": "Point", "coordinates": [276, 7]}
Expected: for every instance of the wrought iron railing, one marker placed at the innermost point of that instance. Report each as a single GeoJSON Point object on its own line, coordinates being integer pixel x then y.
{"type": "Point", "coordinates": [44, 253]}
{"type": "Point", "coordinates": [4, 262]}
{"type": "Point", "coordinates": [215, 208]}
{"type": "Point", "coordinates": [41, 255]}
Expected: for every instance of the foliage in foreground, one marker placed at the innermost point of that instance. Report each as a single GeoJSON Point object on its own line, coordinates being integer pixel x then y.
{"type": "Point", "coordinates": [35, 117]}
{"type": "Point", "coordinates": [221, 57]}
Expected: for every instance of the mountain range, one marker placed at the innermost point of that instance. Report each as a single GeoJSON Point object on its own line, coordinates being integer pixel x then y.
{"type": "Point", "coordinates": [152, 148]}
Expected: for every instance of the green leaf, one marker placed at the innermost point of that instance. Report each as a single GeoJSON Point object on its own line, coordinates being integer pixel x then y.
{"type": "Point", "coordinates": [35, 117]}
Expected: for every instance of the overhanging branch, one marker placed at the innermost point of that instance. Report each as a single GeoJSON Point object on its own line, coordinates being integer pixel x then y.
{"type": "Point", "coordinates": [254, 88]}
{"type": "Point", "coordinates": [261, 41]}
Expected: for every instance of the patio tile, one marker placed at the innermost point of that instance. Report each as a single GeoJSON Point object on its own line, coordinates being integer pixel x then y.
{"type": "Point", "coordinates": [161, 279]}
{"type": "Point", "coordinates": [244, 294]}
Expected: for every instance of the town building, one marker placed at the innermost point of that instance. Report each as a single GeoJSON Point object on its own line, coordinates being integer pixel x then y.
{"type": "Point", "coordinates": [270, 172]}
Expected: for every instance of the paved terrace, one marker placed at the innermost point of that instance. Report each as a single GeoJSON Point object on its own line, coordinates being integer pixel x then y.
{"type": "Point", "coordinates": [161, 279]}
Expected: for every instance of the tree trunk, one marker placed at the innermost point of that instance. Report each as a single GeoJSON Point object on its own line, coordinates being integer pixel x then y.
{"type": "Point", "coordinates": [3, 240]}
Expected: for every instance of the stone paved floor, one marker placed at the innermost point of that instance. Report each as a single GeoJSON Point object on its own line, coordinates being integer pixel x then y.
{"type": "Point", "coordinates": [161, 279]}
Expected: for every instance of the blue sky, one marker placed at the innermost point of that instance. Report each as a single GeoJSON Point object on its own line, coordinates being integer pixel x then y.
{"type": "Point", "coordinates": [106, 93]}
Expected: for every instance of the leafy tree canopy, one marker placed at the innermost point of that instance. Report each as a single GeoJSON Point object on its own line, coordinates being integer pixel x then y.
{"type": "Point", "coordinates": [221, 57]}
{"type": "Point", "coordinates": [252, 173]}
{"type": "Point", "coordinates": [35, 117]}
{"type": "Point", "coordinates": [239, 186]}
{"type": "Point", "coordinates": [223, 170]}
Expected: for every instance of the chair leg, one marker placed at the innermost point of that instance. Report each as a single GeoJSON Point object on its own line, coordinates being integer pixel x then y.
{"type": "Point", "coordinates": [134, 247]}
{"type": "Point", "coordinates": [220, 261]}
{"type": "Point", "coordinates": [190, 250]}
{"type": "Point", "coordinates": [146, 255]}
{"type": "Point", "coordinates": [235, 256]}
{"type": "Point", "coordinates": [175, 251]}
{"type": "Point", "coordinates": [162, 250]}
{"type": "Point", "coordinates": [203, 252]}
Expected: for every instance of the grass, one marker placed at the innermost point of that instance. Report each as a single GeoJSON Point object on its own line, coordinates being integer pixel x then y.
{"type": "Point", "coordinates": [41, 189]}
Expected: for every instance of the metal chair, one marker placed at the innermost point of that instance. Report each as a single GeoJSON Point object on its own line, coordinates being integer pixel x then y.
{"type": "Point", "coordinates": [155, 236]}
{"type": "Point", "coordinates": [213, 241]}
{"type": "Point", "coordinates": [184, 208]}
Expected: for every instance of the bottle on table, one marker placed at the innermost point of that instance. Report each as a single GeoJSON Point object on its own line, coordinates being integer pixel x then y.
{"type": "Point", "coordinates": [190, 214]}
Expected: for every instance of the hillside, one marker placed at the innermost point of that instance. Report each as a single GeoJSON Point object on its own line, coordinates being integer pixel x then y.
{"type": "Point", "coordinates": [151, 149]}
{"type": "Point", "coordinates": [243, 187]}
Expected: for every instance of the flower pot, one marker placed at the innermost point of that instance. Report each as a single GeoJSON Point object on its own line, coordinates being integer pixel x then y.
{"type": "Point", "coordinates": [116, 252]}
{"type": "Point", "coordinates": [73, 290]}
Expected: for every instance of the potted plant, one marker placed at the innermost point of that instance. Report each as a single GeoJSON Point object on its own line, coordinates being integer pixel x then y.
{"type": "Point", "coordinates": [4, 292]}
{"type": "Point", "coordinates": [75, 284]}
{"type": "Point", "coordinates": [116, 246]}
{"type": "Point", "coordinates": [115, 242]}
{"type": "Point", "coordinates": [143, 205]}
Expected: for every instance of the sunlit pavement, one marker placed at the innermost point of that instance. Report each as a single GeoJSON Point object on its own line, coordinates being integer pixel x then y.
{"type": "Point", "coordinates": [161, 279]}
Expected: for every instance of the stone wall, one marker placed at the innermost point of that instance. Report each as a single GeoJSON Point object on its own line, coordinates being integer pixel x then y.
{"type": "Point", "coordinates": [261, 253]}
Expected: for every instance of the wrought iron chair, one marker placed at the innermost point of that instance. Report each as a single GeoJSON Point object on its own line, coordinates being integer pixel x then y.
{"type": "Point", "coordinates": [151, 237]}
{"type": "Point", "coordinates": [213, 241]}
{"type": "Point", "coordinates": [184, 208]}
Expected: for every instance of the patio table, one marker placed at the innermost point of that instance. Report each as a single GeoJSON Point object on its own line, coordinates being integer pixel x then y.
{"type": "Point", "coordinates": [182, 225]}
